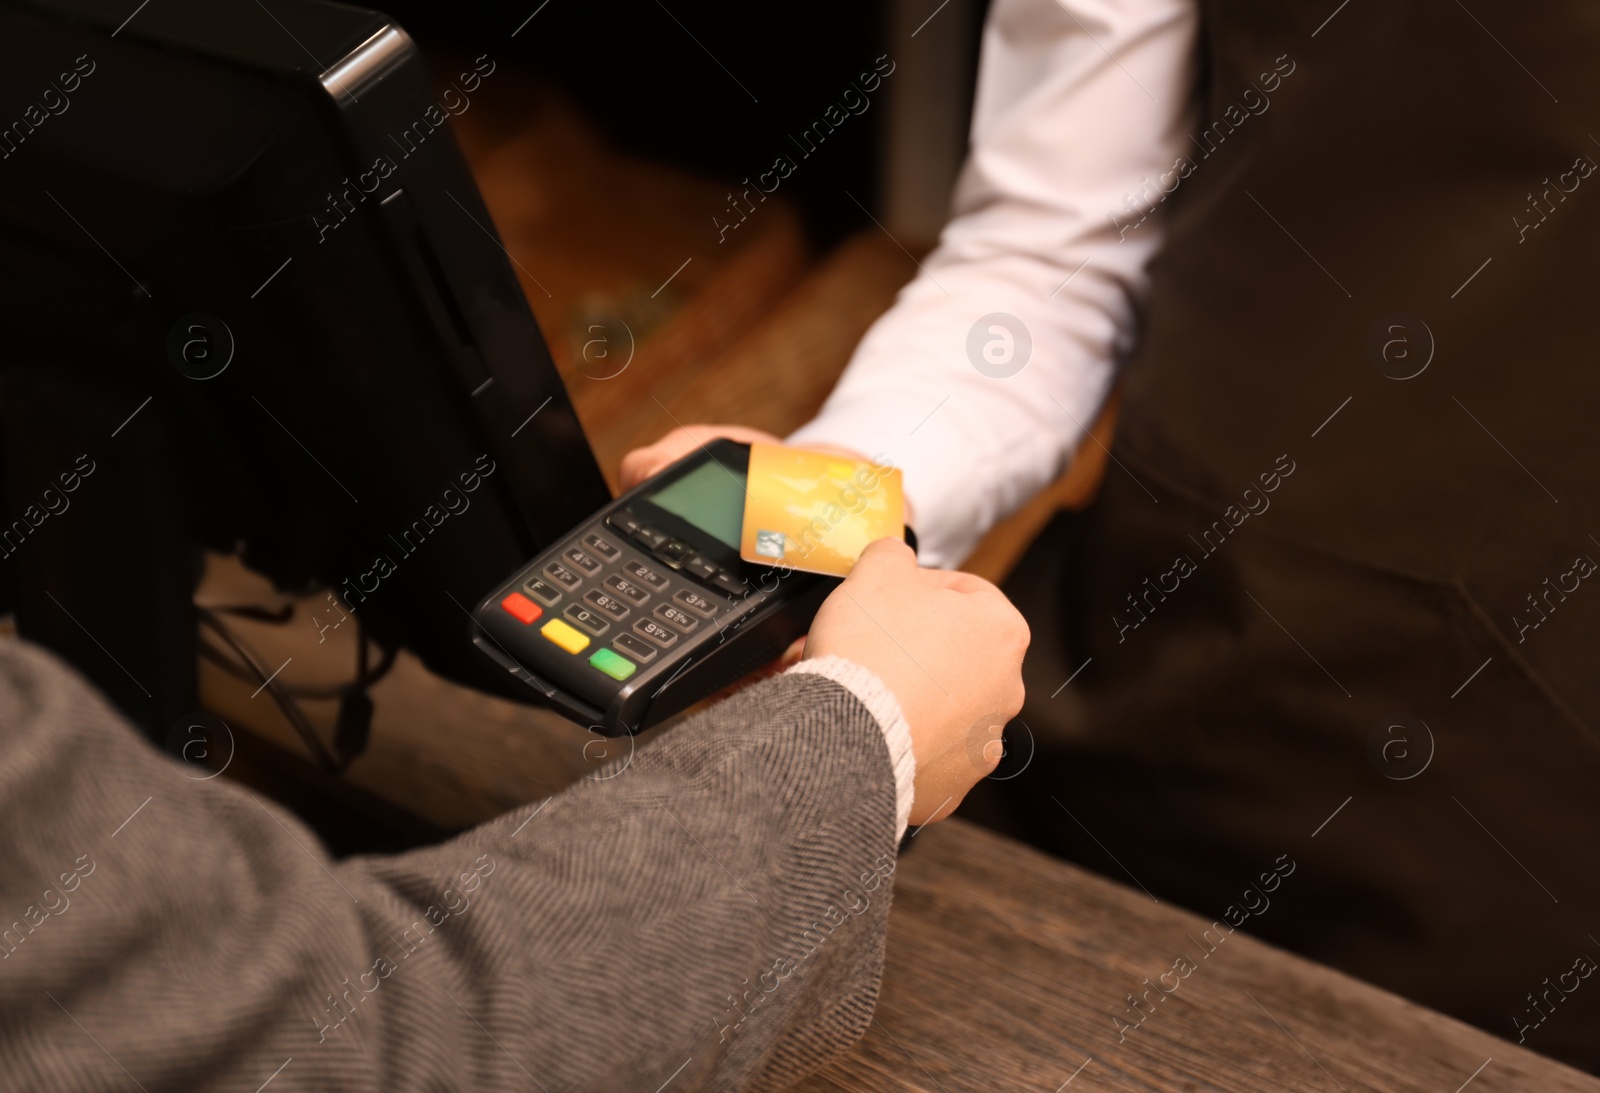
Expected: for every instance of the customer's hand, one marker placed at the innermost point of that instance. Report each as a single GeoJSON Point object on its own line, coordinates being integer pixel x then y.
{"type": "Point", "coordinates": [949, 645]}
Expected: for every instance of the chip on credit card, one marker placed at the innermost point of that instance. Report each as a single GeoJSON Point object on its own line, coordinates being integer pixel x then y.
{"type": "Point", "coordinates": [816, 512]}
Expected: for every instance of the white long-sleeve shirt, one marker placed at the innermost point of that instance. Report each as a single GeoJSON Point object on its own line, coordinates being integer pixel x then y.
{"type": "Point", "coordinates": [1082, 107]}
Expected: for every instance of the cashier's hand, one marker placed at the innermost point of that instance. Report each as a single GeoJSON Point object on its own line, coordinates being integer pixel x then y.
{"type": "Point", "coordinates": [949, 645]}
{"type": "Point", "coordinates": [641, 463]}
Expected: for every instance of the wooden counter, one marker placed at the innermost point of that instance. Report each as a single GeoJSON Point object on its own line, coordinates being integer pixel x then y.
{"type": "Point", "coordinates": [1006, 968]}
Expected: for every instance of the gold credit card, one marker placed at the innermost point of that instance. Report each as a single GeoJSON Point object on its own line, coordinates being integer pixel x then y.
{"type": "Point", "coordinates": [816, 512]}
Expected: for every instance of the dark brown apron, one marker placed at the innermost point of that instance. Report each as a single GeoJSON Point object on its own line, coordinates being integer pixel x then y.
{"type": "Point", "coordinates": [1346, 566]}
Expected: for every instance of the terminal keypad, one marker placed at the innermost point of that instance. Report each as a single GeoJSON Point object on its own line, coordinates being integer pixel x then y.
{"type": "Point", "coordinates": [636, 609]}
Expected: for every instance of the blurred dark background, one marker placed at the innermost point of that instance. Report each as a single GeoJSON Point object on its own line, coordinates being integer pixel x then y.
{"type": "Point", "coordinates": [719, 88]}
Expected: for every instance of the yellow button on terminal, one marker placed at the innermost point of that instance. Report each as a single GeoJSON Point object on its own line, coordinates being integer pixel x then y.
{"type": "Point", "coordinates": [565, 636]}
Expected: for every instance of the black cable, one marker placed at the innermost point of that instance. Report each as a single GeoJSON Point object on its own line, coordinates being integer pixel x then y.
{"type": "Point", "coordinates": [280, 695]}
{"type": "Point", "coordinates": [248, 674]}
{"type": "Point", "coordinates": [353, 724]}
{"type": "Point", "coordinates": [301, 690]}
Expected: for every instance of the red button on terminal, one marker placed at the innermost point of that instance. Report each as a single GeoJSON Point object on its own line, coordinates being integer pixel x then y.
{"type": "Point", "coordinates": [521, 608]}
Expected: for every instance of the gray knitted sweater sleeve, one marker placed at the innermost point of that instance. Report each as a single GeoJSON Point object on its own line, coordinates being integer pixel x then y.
{"type": "Point", "coordinates": [711, 916]}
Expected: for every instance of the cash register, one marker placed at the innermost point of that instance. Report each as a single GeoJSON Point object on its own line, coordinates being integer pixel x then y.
{"type": "Point", "coordinates": [245, 272]}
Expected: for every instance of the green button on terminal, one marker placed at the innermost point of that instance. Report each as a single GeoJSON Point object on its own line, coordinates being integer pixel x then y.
{"type": "Point", "coordinates": [617, 667]}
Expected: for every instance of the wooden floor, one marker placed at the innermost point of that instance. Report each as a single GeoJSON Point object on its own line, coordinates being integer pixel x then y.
{"type": "Point", "coordinates": [753, 331]}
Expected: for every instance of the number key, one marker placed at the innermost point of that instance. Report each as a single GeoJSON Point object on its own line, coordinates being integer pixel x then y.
{"type": "Point", "coordinates": [586, 619]}
{"type": "Point", "coordinates": [661, 635]}
{"type": "Point", "coordinates": [562, 575]}
{"type": "Point", "coordinates": [627, 589]}
{"type": "Point", "coordinates": [645, 576]}
{"type": "Point", "coordinates": [678, 617]}
{"type": "Point", "coordinates": [609, 604]}
{"type": "Point", "coordinates": [700, 605]}
{"type": "Point", "coordinates": [585, 562]}
{"type": "Point", "coordinates": [601, 547]}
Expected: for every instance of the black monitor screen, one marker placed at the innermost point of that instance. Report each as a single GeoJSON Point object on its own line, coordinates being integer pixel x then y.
{"type": "Point", "coordinates": [312, 356]}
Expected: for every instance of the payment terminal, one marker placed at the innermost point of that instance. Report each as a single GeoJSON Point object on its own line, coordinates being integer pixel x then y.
{"type": "Point", "coordinates": [646, 607]}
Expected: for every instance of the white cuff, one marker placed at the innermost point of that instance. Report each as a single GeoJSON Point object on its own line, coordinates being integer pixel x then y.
{"type": "Point", "coordinates": [882, 704]}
